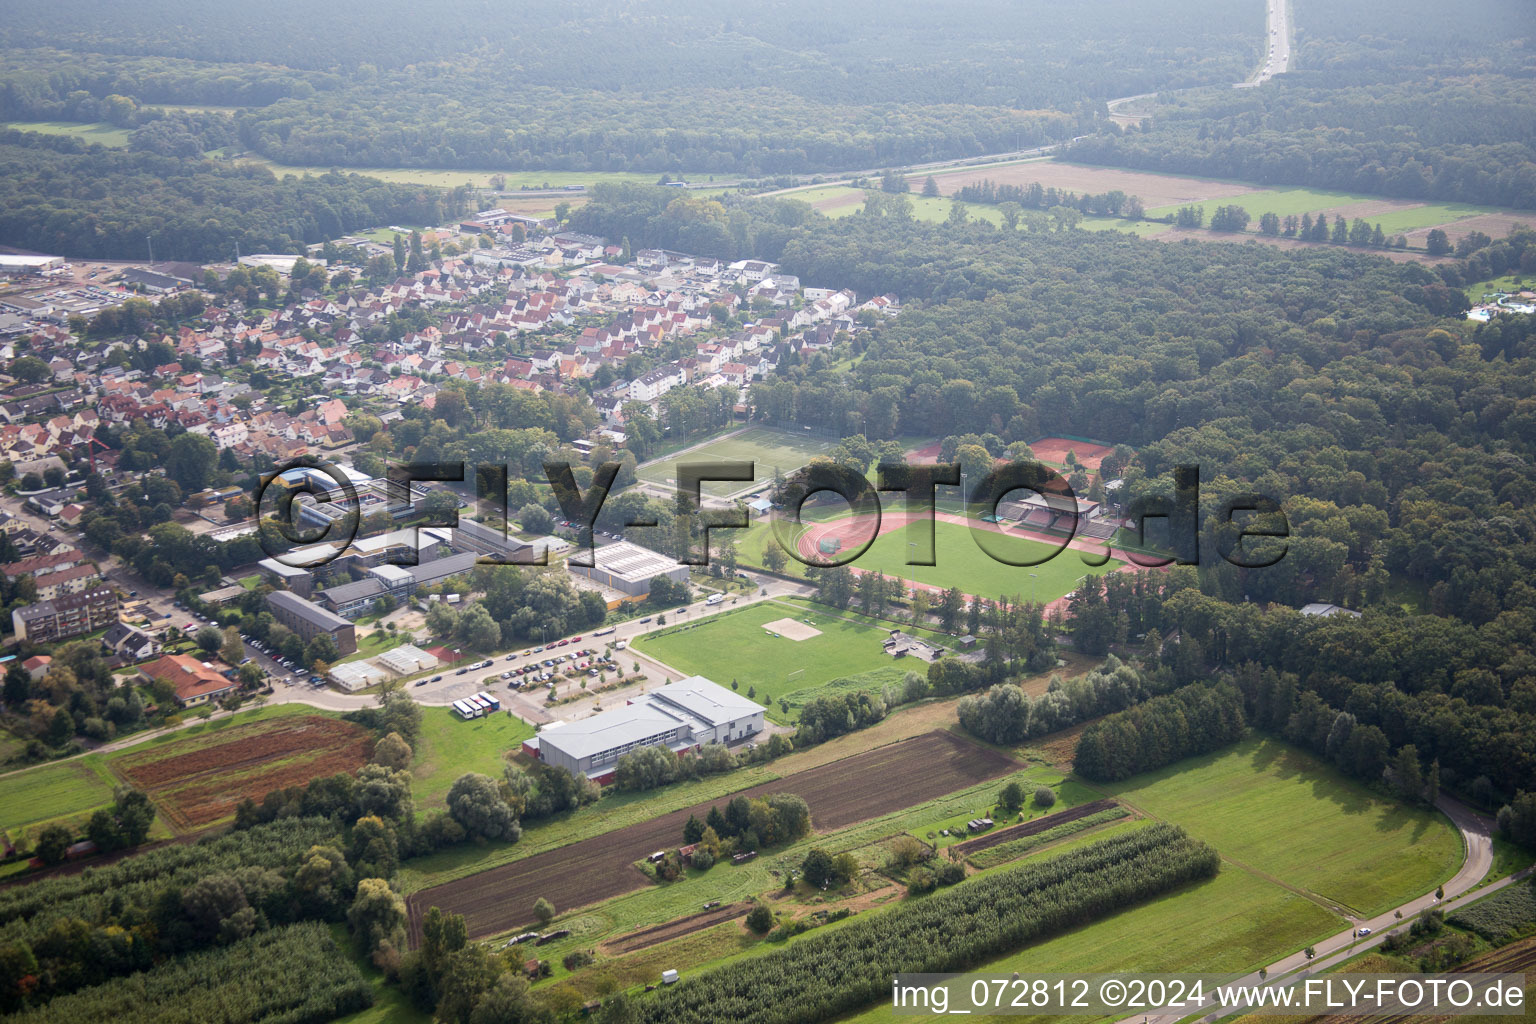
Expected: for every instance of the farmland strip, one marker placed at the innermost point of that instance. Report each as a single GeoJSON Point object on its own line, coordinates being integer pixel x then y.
{"type": "Point", "coordinates": [840, 793]}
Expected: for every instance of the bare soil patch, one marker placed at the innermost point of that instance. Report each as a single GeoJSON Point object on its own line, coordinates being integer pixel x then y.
{"type": "Point", "coordinates": [791, 629]}
{"type": "Point", "coordinates": [1054, 449]}
{"type": "Point", "coordinates": [1000, 836]}
{"type": "Point", "coordinates": [660, 933]}
{"type": "Point", "coordinates": [1494, 225]}
{"type": "Point", "coordinates": [205, 784]}
{"type": "Point", "coordinates": [840, 793]}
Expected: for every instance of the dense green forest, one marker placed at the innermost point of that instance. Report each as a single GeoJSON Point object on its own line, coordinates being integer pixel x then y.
{"type": "Point", "coordinates": [1398, 436]}
{"type": "Point", "coordinates": [618, 85]}
{"type": "Point", "coordinates": [1415, 100]}
{"type": "Point", "coordinates": [59, 195]}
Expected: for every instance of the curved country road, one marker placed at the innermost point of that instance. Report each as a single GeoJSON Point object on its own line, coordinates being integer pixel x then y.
{"type": "Point", "coordinates": [1477, 837]}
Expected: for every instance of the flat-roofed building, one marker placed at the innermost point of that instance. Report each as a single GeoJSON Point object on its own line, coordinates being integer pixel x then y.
{"type": "Point", "coordinates": [309, 620]}
{"type": "Point", "coordinates": [629, 568]}
{"type": "Point", "coordinates": [406, 660]}
{"type": "Point", "coordinates": [356, 675]}
{"type": "Point", "coordinates": [683, 715]}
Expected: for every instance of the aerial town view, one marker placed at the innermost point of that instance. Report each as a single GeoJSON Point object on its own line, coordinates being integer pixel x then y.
{"type": "Point", "coordinates": [675, 512]}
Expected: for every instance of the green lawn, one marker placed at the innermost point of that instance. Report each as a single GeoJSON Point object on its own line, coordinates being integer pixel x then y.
{"type": "Point", "coordinates": [961, 563]}
{"type": "Point", "coordinates": [105, 134]}
{"type": "Point", "coordinates": [735, 646]}
{"type": "Point", "coordinates": [768, 449]}
{"type": "Point", "coordinates": [1283, 812]}
{"type": "Point", "coordinates": [370, 644]}
{"type": "Point", "coordinates": [1297, 201]}
{"type": "Point", "coordinates": [449, 746]}
{"type": "Point", "coordinates": [841, 201]}
{"type": "Point", "coordinates": [53, 792]}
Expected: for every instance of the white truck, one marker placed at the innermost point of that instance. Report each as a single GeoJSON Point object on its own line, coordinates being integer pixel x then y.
{"type": "Point", "coordinates": [714, 599]}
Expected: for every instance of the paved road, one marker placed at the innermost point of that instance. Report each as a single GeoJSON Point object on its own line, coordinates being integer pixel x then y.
{"type": "Point", "coordinates": [1476, 832]}
{"type": "Point", "coordinates": [1277, 38]}
{"type": "Point", "coordinates": [452, 687]}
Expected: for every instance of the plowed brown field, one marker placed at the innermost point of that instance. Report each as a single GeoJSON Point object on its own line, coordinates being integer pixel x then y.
{"type": "Point", "coordinates": [205, 784]}
{"type": "Point", "coordinates": [840, 793]}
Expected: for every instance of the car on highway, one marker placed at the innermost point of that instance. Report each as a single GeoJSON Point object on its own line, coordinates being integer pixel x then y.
{"type": "Point", "coordinates": [421, 682]}
{"type": "Point", "coordinates": [645, 620]}
{"type": "Point", "coordinates": [1364, 932]}
{"type": "Point", "coordinates": [511, 657]}
{"type": "Point", "coordinates": [435, 679]}
{"type": "Point", "coordinates": [461, 671]}
{"type": "Point", "coordinates": [562, 643]}
{"type": "Point", "coordinates": [575, 639]}
{"type": "Point", "coordinates": [536, 650]}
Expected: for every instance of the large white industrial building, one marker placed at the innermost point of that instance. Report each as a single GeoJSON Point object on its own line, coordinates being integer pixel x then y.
{"type": "Point", "coordinates": [686, 714]}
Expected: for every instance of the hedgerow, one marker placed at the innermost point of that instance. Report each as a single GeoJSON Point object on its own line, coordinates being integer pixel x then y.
{"type": "Point", "coordinates": [833, 972]}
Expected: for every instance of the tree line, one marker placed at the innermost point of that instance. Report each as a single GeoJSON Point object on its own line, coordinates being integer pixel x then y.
{"type": "Point", "coordinates": [833, 972]}
{"type": "Point", "coordinates": [58, 194]}
{"type": "Point", "coordinates": [1191, 720]}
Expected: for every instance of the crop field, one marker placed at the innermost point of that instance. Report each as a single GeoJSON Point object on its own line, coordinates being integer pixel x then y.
{"type": "Point", "coordinates": [199, 781]}
{"type": "Point", "coordinates": [999, 836]}
{"type": "Point", "coordinates": [768, 449]}
{"type": "Point", "coordinates": [596, 869]}
{"type": "Point", "coordinates": [66, 790]}
{"type": "Point", "coordinates": [960, 562]}
{"type": "Point", "coordinates": [1396, 216]}
{"type": "Point", "coordinates": [99, 132]}
{"type": "Point", "coordinates": [735, 647]}
{"type": "Point", "coordinates": [1283, 812]}
{"type": "Point", "coordinates": [1153, 189]}
{"type": "Point", "coordinates": [448, 747]}
{"type": "Point", "coordinates": [660, 933]}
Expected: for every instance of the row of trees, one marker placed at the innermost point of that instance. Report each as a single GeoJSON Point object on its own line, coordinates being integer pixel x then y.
{"type": "Point", "coordinates": [1191, 720]}
{"type": "Point", "coordinates": [834, 972]}
{"type": "Point", "coordinates": [294, 973]}
{"type": "Point", "coordinates": [1036, 196]}
{"type": "Point", "coordinates": [1008, 716]}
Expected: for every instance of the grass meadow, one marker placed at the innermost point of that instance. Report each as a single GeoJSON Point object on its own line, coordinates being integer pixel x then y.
{"type": "Point", "coordinates": [449, 746]}
{"type": "Point", "coordinates": [735, 646]}
{"type": "Point", "coordinates": [768, 449]}
{"type": "Point", "coordinates": [1282, 812]}
{"type": "Point", "coordinates": [99, 132]}
{"type": "Point", "coordinates": [961, 563]}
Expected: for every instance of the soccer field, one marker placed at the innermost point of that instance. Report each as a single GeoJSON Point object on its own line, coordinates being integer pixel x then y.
{"type": "Point", "coordinates": [769, 451]}
{"type": "Point", "coordinates": [735, 645]}
{"type": "Point", "coordinates": [960, 563]}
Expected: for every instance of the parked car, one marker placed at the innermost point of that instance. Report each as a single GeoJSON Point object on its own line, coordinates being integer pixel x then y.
{"type": "Point", "coordinates": [421, 682]}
